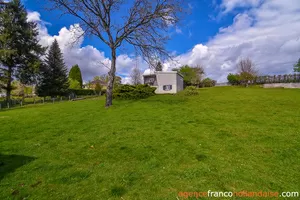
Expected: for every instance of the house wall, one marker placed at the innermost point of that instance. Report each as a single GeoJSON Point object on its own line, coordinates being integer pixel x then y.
{"type": "Point", "coordinates": [179, 83]}
{"type": "Point", "coordinates": [165, 79]}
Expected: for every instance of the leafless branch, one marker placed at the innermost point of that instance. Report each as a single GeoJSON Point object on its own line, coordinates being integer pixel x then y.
{"type": "Point", "coordinates": [247, 66]}
{"type": "Point", "coordinates": [145, 26]}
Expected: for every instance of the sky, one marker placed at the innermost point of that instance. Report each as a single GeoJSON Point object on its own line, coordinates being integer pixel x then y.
{"type": "Point", "coordinates": [215, 34]}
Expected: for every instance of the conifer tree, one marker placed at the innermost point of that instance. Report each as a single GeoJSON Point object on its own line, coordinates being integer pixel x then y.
{"type": "Point", "coordinates": [53, 80]}
{"type": "Point", "coordinates": [19, 48]}
{"type": "Point", "coordinates": [75, 74]}
{"type": "Point", "coordinates": [159, 67]}
{"type": "Point", "coordinates": [297, 66]}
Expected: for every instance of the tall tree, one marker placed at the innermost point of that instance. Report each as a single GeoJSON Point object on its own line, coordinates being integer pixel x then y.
{"type": "Point", "coordinates": [297, 66]}
{"type": "Point", "coordinates": [53, 78]}
{"type": "Point", "coordinates": [75, 74]}
{"type": "Point", "coordinates": [159, 67]}
{"type": "Point", "coordinates": [136, 76]}
{"type": "Point", "coordinates": [19, 49]}
{"type": "Point", "coordinates": [144, 26]}
{"type": "Point", "coordinates": [74, 84]}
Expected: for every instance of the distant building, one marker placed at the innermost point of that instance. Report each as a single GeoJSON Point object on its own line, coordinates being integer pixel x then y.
{"type": "Point", "coordinates": [222, 84]}
{"type": "Point", "coordinates": [165, 82]}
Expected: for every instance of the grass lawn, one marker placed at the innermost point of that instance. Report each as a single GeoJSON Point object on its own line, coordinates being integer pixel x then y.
{"type": "Point", "coordinates": [225, 139]}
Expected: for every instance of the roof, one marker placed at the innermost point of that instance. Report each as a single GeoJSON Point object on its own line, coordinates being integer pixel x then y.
{"type": "Point", "coordinates": [163, 72]}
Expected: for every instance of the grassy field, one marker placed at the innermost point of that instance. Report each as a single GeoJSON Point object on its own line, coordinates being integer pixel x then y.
{"type": "Point", "coordinates": [225, 139]}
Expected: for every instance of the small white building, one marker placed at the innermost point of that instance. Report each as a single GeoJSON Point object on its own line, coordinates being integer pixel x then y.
{"type": "Point", "coordinates": [166, 82]}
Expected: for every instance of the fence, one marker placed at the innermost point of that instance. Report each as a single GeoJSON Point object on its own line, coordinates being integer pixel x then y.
{"type": "Point", "coordinates": [287, 78]}
{"type": "Point", "coordinates": [20, 102]}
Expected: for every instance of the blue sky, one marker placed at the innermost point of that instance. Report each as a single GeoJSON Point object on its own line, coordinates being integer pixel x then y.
{"type": "Point", "coordinates": [216, 34]}
{"type": "Point", "coordinates": [197, 27]}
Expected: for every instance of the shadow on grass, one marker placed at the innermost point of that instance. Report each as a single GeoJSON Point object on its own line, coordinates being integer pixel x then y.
{"type": "Point", "coordinates": [9, 163]}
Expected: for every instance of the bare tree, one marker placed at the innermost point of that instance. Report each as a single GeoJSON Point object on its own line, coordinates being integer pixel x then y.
{"type": "Point", "coordinates": [247, 65]}
{"type": "Point", "coordinates": [247, 70]}
{"type": "Point", "coordinates": [136, 76]}
{"type": "Point", "coordinates": [144, 26]}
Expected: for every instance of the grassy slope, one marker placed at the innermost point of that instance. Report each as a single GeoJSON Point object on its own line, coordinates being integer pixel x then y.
{"type": "Point", "coordinates": [225, 139]}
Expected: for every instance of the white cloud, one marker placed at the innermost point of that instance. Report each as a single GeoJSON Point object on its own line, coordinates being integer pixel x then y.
{"type": "Point", "coordinates": [91, 61]}
{"type": "Point", "coordinates": [229, 5]}
{"type": "Point", "coordinates": [178, 30]}
{"type": "Point", "coordinates": [268, 33]}
{"type": "Point", "coordinates": [33, 17]}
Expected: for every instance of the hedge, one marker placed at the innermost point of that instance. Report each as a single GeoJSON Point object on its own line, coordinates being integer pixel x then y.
{"type": "Point", "coordinates": [82, 92]}
{"type": "Point", "coordinates": [133, 92]}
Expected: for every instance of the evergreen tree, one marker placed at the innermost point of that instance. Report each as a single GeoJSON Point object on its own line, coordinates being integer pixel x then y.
{"type": "Point", "coordinates": [74, 84]}
{"type": "Point", "coordinates": [159, 67]}
{"type": "Point", "coordinates": [297, 66]}
{"type": "Point", "coordinates": [53, 77]}
{"type": "Point", "coordinates": [75, 74]}
{"type": "Point", "coordinates": [19, 48]}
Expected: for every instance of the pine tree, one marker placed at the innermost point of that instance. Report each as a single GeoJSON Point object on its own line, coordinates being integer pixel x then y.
{"type": "Point", "coordinates": [74, 84]}
{"type": "Point", "coordinates": [75, 74]}
{"type": "Point", "coordinates": [53, 78]}
{"type": "Point", "coordinates": [19, 48]}
{"type": "Point", "coordinates": [297, 66]}
{"type": "Point", "coordinates": [159, 67]}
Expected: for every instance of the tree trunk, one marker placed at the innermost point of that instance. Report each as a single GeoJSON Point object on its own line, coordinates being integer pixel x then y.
{"type": "Point", "coordinates": [111, 78]}
{"type": "Point", "coordinates": [8, 85]}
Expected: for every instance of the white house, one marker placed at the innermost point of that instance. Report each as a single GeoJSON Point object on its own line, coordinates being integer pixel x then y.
{"type": "Point", "coordinates": [166, 82]}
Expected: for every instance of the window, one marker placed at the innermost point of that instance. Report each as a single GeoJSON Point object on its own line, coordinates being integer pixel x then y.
{"type": "Point", "coordinates": [167, 87]}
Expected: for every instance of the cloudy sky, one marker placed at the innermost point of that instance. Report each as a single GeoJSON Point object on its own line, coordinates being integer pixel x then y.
{"type": "Point", "coordinates": [216, 35]}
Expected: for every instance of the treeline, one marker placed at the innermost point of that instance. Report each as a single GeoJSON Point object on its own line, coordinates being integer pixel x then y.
{"type": "Point", "coordinates": [248, 74]}
{"type": "Point", "coordinates": [236, 79]}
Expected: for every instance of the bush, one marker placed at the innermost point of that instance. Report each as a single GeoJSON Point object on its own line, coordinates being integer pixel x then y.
{"type": "Point", "coordinates": [234, 79]}
{"type": "Point", "coordinates": [190, 91]}
{"type": "Point", "coordinates": [133, 92]}
{"type": "Point", "coordinates": [208, 83]}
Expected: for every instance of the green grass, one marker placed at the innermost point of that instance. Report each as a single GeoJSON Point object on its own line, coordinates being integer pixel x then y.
{"type": "Point", "coordinates": [225, 139]}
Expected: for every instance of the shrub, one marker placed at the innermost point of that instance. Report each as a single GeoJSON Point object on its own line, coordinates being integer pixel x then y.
{"type": "Point", "coordinates": [208, 83]}
{"type": "Point", "coordinates": [190, 91]}
{"type": "Point", "coordinates": [234, 79]}
{"type": "Point", "coordinates": [133, 92]}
